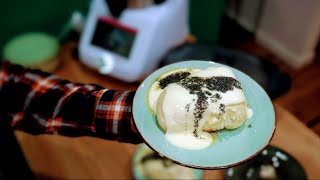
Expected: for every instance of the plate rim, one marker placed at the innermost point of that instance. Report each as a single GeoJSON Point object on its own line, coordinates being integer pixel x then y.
{"type": "Point", "coordinates": [195, 166]}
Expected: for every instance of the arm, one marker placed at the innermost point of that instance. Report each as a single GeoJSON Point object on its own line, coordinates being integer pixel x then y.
{"type": "Point", "coordinates": [38, 102]}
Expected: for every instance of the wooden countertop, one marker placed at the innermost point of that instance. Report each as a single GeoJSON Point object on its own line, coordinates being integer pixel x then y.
{"type": "Point", "coordinates": [92, 158]}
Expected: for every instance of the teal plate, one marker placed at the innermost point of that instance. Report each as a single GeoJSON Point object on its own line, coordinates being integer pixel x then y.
{"type": "Point", "coordinates": [233, 146]}
{"type": "Point", "coordinates": [137, 171]}
{"type": "Point", "coordinates": [285, 166]}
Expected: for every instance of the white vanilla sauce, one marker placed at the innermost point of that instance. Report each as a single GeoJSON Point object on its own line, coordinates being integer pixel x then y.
{"type": "Point", "coordinates": [178, 107]}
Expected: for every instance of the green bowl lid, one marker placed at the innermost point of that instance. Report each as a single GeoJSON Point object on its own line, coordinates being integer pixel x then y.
{"type": "Point", "coordinates": [31, 48]}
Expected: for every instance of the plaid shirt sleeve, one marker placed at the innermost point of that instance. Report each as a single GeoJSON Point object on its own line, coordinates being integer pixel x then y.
{"type": "Point", "coordinates": [38, 102]}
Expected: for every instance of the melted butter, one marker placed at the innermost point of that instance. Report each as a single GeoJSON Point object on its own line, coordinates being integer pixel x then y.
{"type": "Point", "coordinates": [215, 138]}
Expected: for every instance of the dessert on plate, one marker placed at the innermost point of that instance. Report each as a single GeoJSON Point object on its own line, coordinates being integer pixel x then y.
{"type": "Point", "coordinates": [192, 103]}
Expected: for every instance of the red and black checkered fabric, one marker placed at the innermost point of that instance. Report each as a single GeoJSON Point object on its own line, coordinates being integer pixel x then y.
{"type": "Point", "coordinates": [39, 102]}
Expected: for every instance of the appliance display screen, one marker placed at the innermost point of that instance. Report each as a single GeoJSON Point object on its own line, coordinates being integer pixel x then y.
{"type": "Point", "coordinates": [113, 36]}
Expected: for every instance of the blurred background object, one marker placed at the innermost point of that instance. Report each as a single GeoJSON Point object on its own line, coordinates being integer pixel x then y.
{"type": "Point", "coordinates": [33, 30]}
{"type": "Point", "coordinates": [287, 35]}
{"type": "Point", "coordinates": [18, 17]}
{"type": "Point", "coordinates": [271, 163]}
{"type": "Point", "coordinates": [205, 19]}
{"type": "Point", "coordinates": [128, 43]}
{"type": "Point", "coordinates": [147, 164]}
{"type": "Point", "coordinates": [33, 50]}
